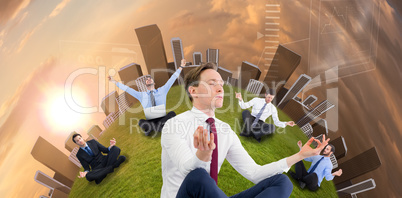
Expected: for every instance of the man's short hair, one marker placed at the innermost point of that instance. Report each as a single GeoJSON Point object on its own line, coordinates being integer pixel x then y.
{"type": "Point", "coordinates": [148, 76]}
{"type": "Point", "coordinates": [270, 91]}
{"type": "Point", "coordinates": [192, 78]}
{"type": "Point", "coordinates": [332, 148]}
{"type": "Point", "coordinates": [75, 135]}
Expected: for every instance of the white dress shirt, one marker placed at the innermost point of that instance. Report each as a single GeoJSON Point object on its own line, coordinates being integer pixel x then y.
{"type": "Point", "coordinates": [270, 109]}
{"type": "Point", "coordinates": [179, 155]}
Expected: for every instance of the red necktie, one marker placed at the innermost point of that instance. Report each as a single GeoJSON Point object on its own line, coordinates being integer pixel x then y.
{"type": "Point", "coordinates": [214, 162]}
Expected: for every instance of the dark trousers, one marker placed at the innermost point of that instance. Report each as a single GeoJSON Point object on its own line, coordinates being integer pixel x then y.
{"type": "Point", "coordinates": [99, 172]}
{"type": "Point", "coordinates": [259, 130]}
{"type": "Point", "coordinates": [310, 179]}
{"type": "Point", "coordinates": [199, 184]}
{"type": "Point", "coordinates": [155, 124]}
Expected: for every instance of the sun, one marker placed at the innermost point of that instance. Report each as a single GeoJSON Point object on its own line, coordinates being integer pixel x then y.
{"type": "Point", "coordinates": [61, 114]}
{"type": "Point", "coordinates": [58, 115]}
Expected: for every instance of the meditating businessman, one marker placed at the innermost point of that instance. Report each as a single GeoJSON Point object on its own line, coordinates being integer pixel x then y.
{"type": "Point", "coordinates": [151, 98]}
{"type": "Point", "coordinates": [195, 144]}
{"type": "Point", "coordinates": [321, 167]}
{"type": "Point", "coordinates": [96, 165]}
{"type": "Point", "coordinates": [254, 122]}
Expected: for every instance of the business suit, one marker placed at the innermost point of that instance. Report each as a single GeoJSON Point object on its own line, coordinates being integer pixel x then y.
{"type": "Point", "coordinates": [99, 165]}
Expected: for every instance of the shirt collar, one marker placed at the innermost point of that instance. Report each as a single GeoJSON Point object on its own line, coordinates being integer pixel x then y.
{"type": "Point", "coordinates": [201, 115]}
{"type": "Point", "coordinates": [149, 91]}
{"type": "Point", "coordinates": [84, 146]}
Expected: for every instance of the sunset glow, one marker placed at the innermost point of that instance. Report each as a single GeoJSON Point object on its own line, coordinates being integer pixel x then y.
{"type": "Point", "coordinates": [59, 116]}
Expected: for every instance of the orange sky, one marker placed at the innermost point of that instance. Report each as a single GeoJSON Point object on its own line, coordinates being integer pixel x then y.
{"type": "Point", "coordinates": [41, 45]}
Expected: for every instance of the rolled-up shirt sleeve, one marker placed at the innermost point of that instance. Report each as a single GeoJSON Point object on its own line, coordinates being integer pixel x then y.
{"type": "Point", "coordinates": [275, 117]}
{"type": "Point", "coordinates": [328, 174]}
{"type": "Point", "coordinates": [178, 149]}
{"type": "Point", "coordinates": [246, 105]}
{"type": "Point", "coordinates": [171, 80]}
{"type": "Point", "coordinates": [129, 90]}
{"type": "Point", "coordinates": [243, 163]}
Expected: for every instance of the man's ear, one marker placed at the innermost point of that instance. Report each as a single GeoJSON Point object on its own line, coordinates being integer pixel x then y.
{"type": "Point", "coordinates": [193, 91]}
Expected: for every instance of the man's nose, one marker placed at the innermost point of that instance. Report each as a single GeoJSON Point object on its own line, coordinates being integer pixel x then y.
{"type": "Point", "coordinates": [219, 89]}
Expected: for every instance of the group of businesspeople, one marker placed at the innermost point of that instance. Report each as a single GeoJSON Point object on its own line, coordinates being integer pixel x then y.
{"type": "Point", "coordinates": [192, 155]}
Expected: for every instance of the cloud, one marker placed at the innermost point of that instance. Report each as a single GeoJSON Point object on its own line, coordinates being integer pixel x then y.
{"type": "Point", "coordinates": [56, 11]}
{"type": "Point", "coordinates": [188, 51]}
{"type": "Point", "coordinates": [10, 9]}
{"type": "Point", "coordinates": [26, 37]}
{"type": "Point", "coordinates": [21, 99]}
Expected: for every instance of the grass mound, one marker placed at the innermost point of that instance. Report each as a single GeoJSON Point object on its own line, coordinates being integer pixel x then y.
{"type": "Point", "coordinates": [141, 174]}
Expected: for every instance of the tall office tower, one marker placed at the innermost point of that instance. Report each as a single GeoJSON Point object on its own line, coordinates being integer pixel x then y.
{"type": "Point", "coordinates": [153, 50]}
{"type": "Point", "coordinates": [128, 74]}
{"type": "Point", "coordinates": [358, 165]}
{"type": "Point", "coordinates": [213, 56]}
{"type": "Point", "coordinates": [94, 131]}
{"type": "Point", "coordinates": [279, 95]}
{"type": "Point", "coordinates": [109, 103]}
{"type": "Point", "coordinates": [177, 49]}
{"type": "Point", "coordinates": [248, 71]}
{"type": "Point", "coordinates": [186, 69]}
{"type": "Point", "coordinates": [309, 101]}
{"type": "Point", "coordinates": [47, 154]}
{"type": "Point", "coordinates": [323, 107]}
{"type": "Point", "coordinates": [295, 110]}
{"type": "Point", "coordinates": [69, 144]}
{"type": "Point", "coordinates": [197, 58]}
{"type": "Point", "coordinates": [254, 87]}
{"type": "Point", "coordinates": [225, 73]}
{"type": "Point", "coordinates": [232, 81]}
{"type": "Point", "coordinates": [296, 88]}
{"type": "Point", "coordinates": [320, 127]}
{"type": "Point", "coordinates": [51, 183]}
{"type": "Point", "coordinates": [340, 147]}
{"type": "Point", "coordinates": [57, 176]}
{"type": "Point", "coordinates": [352, 190]}
{"type": "Point", "coordinates": [282, 66]}
{"type": "Point", "coordinates": [55, 193]}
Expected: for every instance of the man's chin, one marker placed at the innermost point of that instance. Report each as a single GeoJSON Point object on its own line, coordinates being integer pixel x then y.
{"type": "Point", "coordinates": [218, 105]}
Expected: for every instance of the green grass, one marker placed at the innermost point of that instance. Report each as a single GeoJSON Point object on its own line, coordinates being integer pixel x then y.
{"type": "Point", "coordinates": [141, 175]}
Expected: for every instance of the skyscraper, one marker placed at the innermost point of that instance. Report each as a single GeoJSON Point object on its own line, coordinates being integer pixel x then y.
{"type": "Point", "coordinates": [129, 73]}
{"type": "Point", "coordinates": [309, 101]}
{"type": "Point", "coordinates": [177, 49]}
{"type": "Point", "coordinates": [358, 165]}
{"type": "Point", "coordinates": [320, 127]}
{"type": "Point", "coordinates": [109, 103]}
{"type": "Point", "coordinates": [296, 88]}
{"type": "Point", "coordinates": [213, 56]}
{"type": "Point", "coordinates": [254, 87]}
{"type": "Point", "coordinates": [51, 183]}
{"type": "Point", "coordinates": [153, 50]}
{"type": "Point", "coordinates": [340, 145]}
{"type": "Point", "coordinates": [69, 144]}
{"type": "Point", "coordinates": [225, 73]}
{"type": "Point", "coordinates": [323, 107]}
{"type": "Point", "coordinates": [248, 71]}
{"type": "Point", "coordinates": [282, 66]}
{"type": "Point", "coordinates": [197, 58]}
{"type": "Point", "coordinates": [47, 154]}
{"type": "Point", "coordinates": [95, 130]}
{"type": "Point", "coordinates": [295, 110]}
{"type": "Point", "coordinates": [232, 81]}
